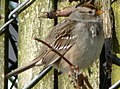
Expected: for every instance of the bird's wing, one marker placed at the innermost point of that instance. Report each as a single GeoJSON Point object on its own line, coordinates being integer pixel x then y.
{"type": "Point", "coordinates": [61, 39]}
{"type": "Point", "coordinates": [59, 42]}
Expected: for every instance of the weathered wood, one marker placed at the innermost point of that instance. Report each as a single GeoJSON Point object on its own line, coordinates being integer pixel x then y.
{"type": "Point", "coordinates": [29, 25]}
{"type": "Point", "coordinates": [116, 47]}
{"type": "Point", "coordinates": [2, 47]}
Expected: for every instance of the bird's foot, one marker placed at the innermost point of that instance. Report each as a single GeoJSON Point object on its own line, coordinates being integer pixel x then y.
{"type": "Point", "coordinates": [78, 79]}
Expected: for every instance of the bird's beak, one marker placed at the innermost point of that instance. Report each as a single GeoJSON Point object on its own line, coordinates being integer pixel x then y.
{"type": "Point", "coordinates": [99, 12]}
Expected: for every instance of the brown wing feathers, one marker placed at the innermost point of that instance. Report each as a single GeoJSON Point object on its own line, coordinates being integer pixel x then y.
{"type": "Point", "coordinates": [61, 40]}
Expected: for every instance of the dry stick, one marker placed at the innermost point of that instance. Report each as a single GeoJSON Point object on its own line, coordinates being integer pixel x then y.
{"type": "Point", "coordinates": [58, 13]}
{"type": "Point", "coordinates": [87, 82]}
{"type": "Point", "coordinates": [52, 49]}
{"type": "Point", "coordinates": [82, 78]}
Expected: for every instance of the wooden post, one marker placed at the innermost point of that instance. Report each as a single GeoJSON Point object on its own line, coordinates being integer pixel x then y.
{"type": "Point", "coordinates": [29, 25]}
{"type": "Point", "coordinates": [2, 46]}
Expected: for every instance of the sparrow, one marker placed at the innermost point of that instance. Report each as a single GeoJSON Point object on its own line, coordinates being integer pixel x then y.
{"type": "Point", "coordinates": [79, 38]}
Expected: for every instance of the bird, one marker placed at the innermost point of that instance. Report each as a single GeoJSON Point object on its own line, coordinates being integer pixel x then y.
{"type": "Point", "coordinates": [79, 38]}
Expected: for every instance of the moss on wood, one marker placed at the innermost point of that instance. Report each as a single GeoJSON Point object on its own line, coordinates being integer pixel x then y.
{"type": "Point", "coordinates": [2, 39]}
{"type": "Point", "coordinates": [116, 69]}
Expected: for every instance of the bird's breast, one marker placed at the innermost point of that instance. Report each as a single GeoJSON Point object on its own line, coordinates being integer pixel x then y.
{"type": "Point", "coordinates": [87, 47]}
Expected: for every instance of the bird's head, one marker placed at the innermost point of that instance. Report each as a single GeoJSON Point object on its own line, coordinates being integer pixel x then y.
{"type": "Point", "coordinates": [85, 11]}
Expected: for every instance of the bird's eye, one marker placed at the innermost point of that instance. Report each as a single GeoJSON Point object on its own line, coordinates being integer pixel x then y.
{"type": "Point", "coordinates": [90, 12]}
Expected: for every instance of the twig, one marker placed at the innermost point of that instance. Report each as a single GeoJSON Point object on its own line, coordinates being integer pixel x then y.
{"type": "Point", "coordinates": [52, 49]}
{"type": "Point", "coordinates": [58, 13]}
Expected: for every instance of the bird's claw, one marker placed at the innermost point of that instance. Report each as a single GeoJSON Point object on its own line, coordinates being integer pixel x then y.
{"type": "Point", "coordinates": [78, 79]}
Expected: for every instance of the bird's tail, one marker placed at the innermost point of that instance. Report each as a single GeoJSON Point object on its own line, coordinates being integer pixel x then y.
{"type": "Point", "coordinates": [23, 68]}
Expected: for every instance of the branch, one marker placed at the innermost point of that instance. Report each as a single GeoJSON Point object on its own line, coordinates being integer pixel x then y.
{"type": "Point", "coordinates": [65, 12]}
{"type": "Point", "coordinates": [52, 49]}
{"type": "Point", "coordinates": [58, 13]}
